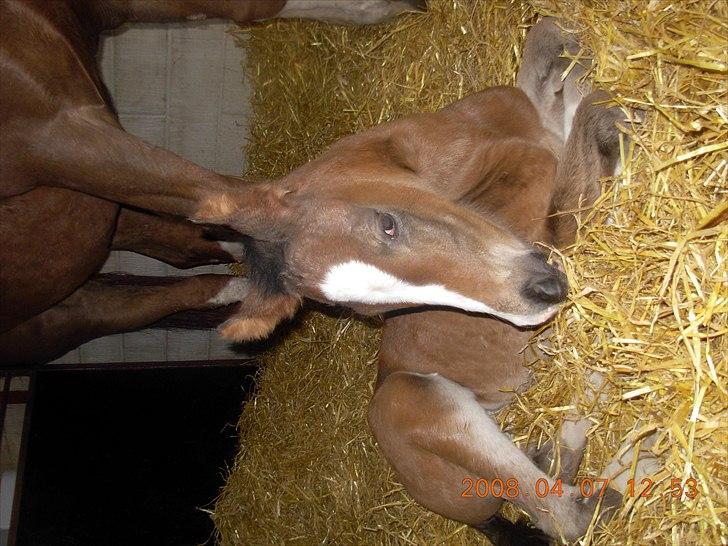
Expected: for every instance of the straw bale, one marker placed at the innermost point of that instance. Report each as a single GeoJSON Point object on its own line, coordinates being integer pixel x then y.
{"type": "Point", "coordinates": [649, 278]}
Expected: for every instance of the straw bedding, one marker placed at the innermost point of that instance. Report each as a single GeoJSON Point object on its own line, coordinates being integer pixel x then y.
{"type": "Point", "coordinates": [649, 275]}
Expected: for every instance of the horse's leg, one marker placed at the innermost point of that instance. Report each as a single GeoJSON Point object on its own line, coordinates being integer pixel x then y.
{"type": "Point", "coordinates": [363, 12]}
{"type": "Point", "coordinates": [562, 458]}
{"type": "Point", "coordinates": [88, 152]}
{"type": "Point", "coordinates": [172, 240]}
{"type": "Point", "coordinates": [51, 242]}
{"type": "Point", "coordinates": [428, 426]}
{"type": "Point", "coordinates": [109, 304]}
{"type": "Point", "coordinates": [355, 12]}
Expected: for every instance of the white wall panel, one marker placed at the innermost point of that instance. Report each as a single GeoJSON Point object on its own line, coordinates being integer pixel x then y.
{"type": "Point", "coordinates": [140, 70]}
{"type": "Point", "coordinates": [103, 349]}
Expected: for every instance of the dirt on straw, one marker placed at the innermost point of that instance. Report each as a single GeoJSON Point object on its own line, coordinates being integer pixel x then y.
{"type": "Point", "coordinates": [649, 271]}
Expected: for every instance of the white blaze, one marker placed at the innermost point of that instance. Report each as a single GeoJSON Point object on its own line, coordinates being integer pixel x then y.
{"type": "Point", "coordinates": [359, 282]}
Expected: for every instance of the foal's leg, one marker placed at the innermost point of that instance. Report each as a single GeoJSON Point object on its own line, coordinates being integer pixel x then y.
{"type": "Point", "coordinates": [590, 153]}
{"type": "Point", "coordinates": [562, 457]}
{"type": "Point", "coordinates": [110, 304]}
{"type": "Point", "coordinates": [587, 130]}
{"type": "Point", "coordinates": [429, 426]}
{"type": "Point", "coordinates": [633, 460]}
{"type": "Point", "coordinates": [171, 240]}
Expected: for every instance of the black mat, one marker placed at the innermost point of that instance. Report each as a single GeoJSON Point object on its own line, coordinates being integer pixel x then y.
{"type": "Point", "coordinates": [129, 457]}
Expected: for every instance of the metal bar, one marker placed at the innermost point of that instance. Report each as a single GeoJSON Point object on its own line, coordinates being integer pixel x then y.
{"type": "Point", "coordinates": [8, 377]}
{"type": "Point", "coordinates": [22, 456]}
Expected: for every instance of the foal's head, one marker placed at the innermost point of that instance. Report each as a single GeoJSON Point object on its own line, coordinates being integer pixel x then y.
{"type": "Point", "coordinates": [379, 247]}
{"type": "Point", "coordinates": [357, 231]}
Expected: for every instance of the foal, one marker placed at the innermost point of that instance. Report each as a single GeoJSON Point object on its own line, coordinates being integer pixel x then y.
{"type": "Point", "coordinates": [442, 373]}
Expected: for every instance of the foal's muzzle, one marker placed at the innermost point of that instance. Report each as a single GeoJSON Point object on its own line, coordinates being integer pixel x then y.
{"type": "Point", "coordinates": [545, 283]}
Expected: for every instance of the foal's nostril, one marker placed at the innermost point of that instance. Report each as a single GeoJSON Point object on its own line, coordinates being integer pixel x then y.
{"type": "Point", "coordinates": [548, 286]}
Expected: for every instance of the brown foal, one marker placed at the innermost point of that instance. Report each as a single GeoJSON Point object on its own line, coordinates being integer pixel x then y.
{"type": "Point", "coordinates": [442, 373]}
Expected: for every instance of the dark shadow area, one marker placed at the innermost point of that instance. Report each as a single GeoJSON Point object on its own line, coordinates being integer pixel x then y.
{"type": "Point", "coordinates": [128, 457]}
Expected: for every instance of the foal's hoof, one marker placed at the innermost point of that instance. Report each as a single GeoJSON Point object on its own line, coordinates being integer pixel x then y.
{"type": "Point", "coordinates": [611, 500]}
{"type": "Point", "coordinates": [503, 532]}
{"type": "Point", "coordinates": [575, 521]}
{"type": "Point", "coordinates": [417, 5]}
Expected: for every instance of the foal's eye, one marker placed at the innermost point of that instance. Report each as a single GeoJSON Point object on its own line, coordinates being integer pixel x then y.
{"type": "Point", "coordinates": [388, 225]}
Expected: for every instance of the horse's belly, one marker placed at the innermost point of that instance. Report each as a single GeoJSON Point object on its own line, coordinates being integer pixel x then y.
{"type": "Point", "coordinates": [51, 241]}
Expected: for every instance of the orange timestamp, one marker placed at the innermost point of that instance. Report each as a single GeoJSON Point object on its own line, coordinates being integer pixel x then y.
{"type": "Point", "coordinates": [510, 488]}
{"type": "Point", "coordinates": [678, 489]}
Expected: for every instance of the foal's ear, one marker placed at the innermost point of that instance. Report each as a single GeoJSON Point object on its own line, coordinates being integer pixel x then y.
{"type": "Point", "coordinates": [261, 211]}
{"type": "Point", "coordinates": [543, 76]}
